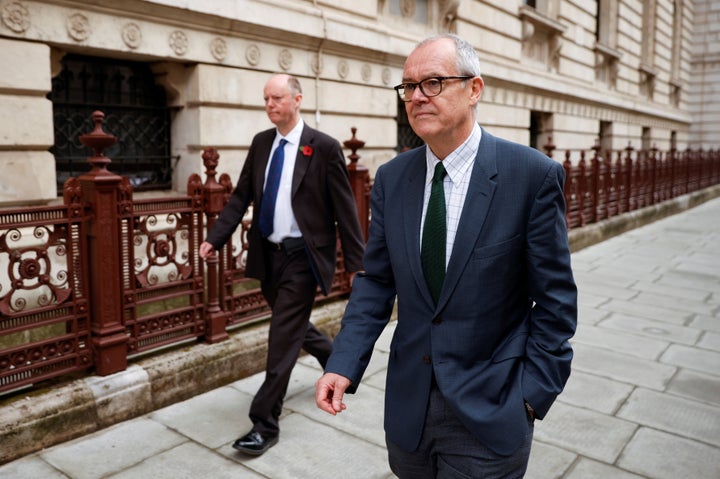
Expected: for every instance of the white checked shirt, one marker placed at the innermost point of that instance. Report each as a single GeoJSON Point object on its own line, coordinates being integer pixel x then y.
{"type": "Point", "coordinates": [458, 165]}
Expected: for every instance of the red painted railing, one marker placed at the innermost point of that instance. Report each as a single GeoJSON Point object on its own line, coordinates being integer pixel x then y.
{"type": "Point", "coordinates": [602, 185]}
{"type": "Point", "coordinates": [104, 277]}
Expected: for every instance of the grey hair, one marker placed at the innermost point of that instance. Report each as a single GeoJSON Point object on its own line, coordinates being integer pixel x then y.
{"type": "Point", "coordinates": [467, 61]}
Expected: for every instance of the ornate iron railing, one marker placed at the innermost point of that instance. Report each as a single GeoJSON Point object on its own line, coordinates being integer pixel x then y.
{"type": "Point", "coordinates": [104, 277]}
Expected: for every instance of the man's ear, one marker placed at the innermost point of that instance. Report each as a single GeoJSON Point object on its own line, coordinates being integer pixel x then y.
{"type": "Point", "coordinates": [477, 88]}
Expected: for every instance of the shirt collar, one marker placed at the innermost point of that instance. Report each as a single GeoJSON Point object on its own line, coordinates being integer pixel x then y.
{"type": "Point", "coordinates": [293, 137]}
{"type": "Point", "coordinates": [458, 162]}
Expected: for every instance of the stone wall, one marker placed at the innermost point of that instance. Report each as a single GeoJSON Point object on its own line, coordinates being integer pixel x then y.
{"type": "Point", "coordinates": [705, 79]}
{"type": "Point", "coordinates": [213, 58]}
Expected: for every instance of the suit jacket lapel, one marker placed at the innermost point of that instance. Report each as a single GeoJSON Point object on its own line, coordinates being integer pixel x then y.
{"type": "Point", "coordinates": [261, 159]}
{"type": "Point", "coordinates": [301, 161]}
{"type": "Point", "coordinates": [475, 210]}
{"type": "Point", "coordinates": [412, 215]}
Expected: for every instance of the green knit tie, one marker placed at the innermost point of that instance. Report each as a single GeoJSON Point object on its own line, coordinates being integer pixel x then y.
{"type": "Point", "coordinates": [434, 236]}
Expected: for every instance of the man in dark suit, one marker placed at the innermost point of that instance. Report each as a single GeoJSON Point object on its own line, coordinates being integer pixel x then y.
{"type": "Point", "coordinates": [481, 345]}
{"type": "Point", "coordinates": [291, 243]}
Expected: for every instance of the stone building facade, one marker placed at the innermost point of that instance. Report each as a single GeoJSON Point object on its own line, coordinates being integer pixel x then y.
{"type": "Point", "coordinates": [177, 76]}
{"type": "Point", "coordinates": [704, 86]}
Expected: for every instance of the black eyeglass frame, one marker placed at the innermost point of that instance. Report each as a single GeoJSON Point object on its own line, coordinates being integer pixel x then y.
{"type": "Point", "coordinates": [415, 85]}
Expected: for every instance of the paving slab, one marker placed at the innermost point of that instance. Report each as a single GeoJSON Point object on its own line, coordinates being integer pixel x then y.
{"type": "Point", "coordinates": [619, 340]}
{"type": "Point", "coordinates": [587, 433]}
{"type": "Point", "coordinates": [189, 461]}
{"type": "Point", "coordinates": [212, 419]}
{"type": "Point", "coordinates": [30, 467]}
{"type": "Point", "coordinates": [622, 367]}
{"type": "Point", "coordinates": [117, 448]}
{"type": "Point", "coordinates": [589, 469]}
{"type": "Point", "coordinates": [592, 300]}
{"type": "Point", "coordinates": [590, 315]}
{"type": "Point", "coordinates": [707, 323]}
{"type": "Point", "coordinates": [688, 280]}
{"type": "Point", "coordinates": [548, 462]}
{"type": "Point", "coordinates": [594, 392]}
{"type": "Point", "coordinates": [677, 292]}
{"type": "Point", "coordinates": [309, 449]}
{"type": "Point", "coordinates": [692, 358]}
{"type": "Point", "coordinates": [363, 417]}
{"type": "Point", "coordinates": [677, 415]}
{"type": "Point", "coordinates": [673, 303]}
{"type": "Point", "coordinates": [661, 329]}
{"type": "Point", "coordinates": [710, 340]}
{"type": "Point", "coordinates": [605, 290]}
{"type": "Point", "coordinates": [660, 455]}
{"type": "Point", "coordinates": [633, 308]}
{"type": "Point", "coordinates": [696, 385]}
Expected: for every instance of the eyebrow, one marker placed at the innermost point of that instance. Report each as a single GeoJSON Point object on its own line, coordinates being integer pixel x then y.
{"type": "Point", "coordinates": [425, 77]}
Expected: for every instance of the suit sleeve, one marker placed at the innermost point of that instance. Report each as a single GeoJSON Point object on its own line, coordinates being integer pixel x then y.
{"type": "Point", "coordinates": [371, 301]}
{"type": "Point", "coordinates": [346, 214]}
{"type": "Point", "coordinates": [552, 288]}
{"type": "Point", "coordinates": [234, 211]}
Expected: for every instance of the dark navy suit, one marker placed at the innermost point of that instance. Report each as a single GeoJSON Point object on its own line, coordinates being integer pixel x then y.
{"type": "Point", "coordinates": [499, 333]}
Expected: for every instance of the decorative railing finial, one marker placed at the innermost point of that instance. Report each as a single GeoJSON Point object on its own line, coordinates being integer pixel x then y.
{"type": "Point", "coordinates": [353, 144]}
{"type": "Point", "coordinates": [99, 141]}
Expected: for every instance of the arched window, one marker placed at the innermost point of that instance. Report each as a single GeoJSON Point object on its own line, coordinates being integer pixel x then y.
{"type": "Point", "coordinates": [135, 111]}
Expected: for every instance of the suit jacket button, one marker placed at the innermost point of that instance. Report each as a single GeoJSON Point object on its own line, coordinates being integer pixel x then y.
{"type": "Point", "coordinates": [426, 359]}
{"type": "Point", "coordinates": [437, 321]}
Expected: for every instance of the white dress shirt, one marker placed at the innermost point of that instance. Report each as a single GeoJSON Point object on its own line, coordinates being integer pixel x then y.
{"type": "Point", "coordinates": [284, 222]}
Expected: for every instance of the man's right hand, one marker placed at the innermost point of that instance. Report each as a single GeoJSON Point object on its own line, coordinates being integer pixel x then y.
{"type": "Point", "coordinates": [329, 391]}
{"type": "Point", "coordinates": [206, 249]}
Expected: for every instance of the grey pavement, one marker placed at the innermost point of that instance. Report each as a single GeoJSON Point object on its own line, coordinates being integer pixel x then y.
{"type": "Point", "coordinates": [643, 400]}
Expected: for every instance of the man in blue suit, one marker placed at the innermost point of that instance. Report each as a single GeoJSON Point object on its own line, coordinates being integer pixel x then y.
{"type": "Point", "coordinates": [481, 346]}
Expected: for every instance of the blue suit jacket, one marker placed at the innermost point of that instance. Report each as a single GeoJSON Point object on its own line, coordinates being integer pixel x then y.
{"type": "Point", "coordinates": [499, 333]}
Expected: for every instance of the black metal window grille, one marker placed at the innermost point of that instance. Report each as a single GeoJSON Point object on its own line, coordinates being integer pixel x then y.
{"type": "Point", "coordinates": [407, 139]}
{"type": "Point", "coordinates": [135, 111]}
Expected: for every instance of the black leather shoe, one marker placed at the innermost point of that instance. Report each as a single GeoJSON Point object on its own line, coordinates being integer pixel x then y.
{"type": "Point", "coordinates": [254, 443]}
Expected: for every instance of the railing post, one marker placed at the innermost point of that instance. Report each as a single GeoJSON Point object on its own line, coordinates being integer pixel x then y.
{"type": "Point", "coordinates": [628, 199]}
{"type": "Point", "coordinates": [100, 189]}
{"type": "Point", "coordinates": [215, 318]}
{"type": "Point", "coordinates": [549, 147]}
{"type": "Point", "coordinates": [359, 181]}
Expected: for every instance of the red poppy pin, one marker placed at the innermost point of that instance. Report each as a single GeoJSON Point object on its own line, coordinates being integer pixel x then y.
{"type": "Point", "coordinates": [306, 150]}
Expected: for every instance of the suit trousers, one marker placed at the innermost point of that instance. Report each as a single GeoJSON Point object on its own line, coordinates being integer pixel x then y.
{"type": "Point", "coordinates": [289, 289]}
{"type": "Point", "coordinates": [448, 450]}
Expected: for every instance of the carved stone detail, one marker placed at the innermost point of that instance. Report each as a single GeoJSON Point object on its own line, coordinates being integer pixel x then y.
{"type": "Point", "coordinates": [386, 76]}
{"type": "Point", "coordinates": [408, 8]}
{"type": "Point", "coordinates": [366, 72]}
{"type": "Point", "coordinates": [343, 69]}
{"type": "Point", "coordinates": [285, 59]}
{"type": "Point", "coordinates": [78, 27]}
{"type": "Point", "coordinates": [218, 48]}
{"type": "Point", "coordinates": [179, 42]}
{"type": "Point", "coordinates": [252, 54]}
{"type": "Point", "coordinates": [448, 14]}
{"type": "Point", "coordinates": [16, 17]}
{"type": "Point", "coordinates": [316, 64]}
{"type": "Point", "coordinates": [131, 35]}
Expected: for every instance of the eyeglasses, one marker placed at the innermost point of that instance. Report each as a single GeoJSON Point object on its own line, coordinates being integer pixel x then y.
{"type": "Point", "coordinates": [429, 87]}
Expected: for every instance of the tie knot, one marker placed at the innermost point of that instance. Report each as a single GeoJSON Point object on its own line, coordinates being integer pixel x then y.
{"type": "Point", "coordinates": [282, 143]}
{"type": "Point", "coordinates": [440, 172]}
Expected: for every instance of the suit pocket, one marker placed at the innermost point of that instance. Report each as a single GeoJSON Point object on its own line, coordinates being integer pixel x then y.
{"type": "Point", "coordinates": [511, 245]}
{"type": "Point", "coordinates": [514, 347]}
